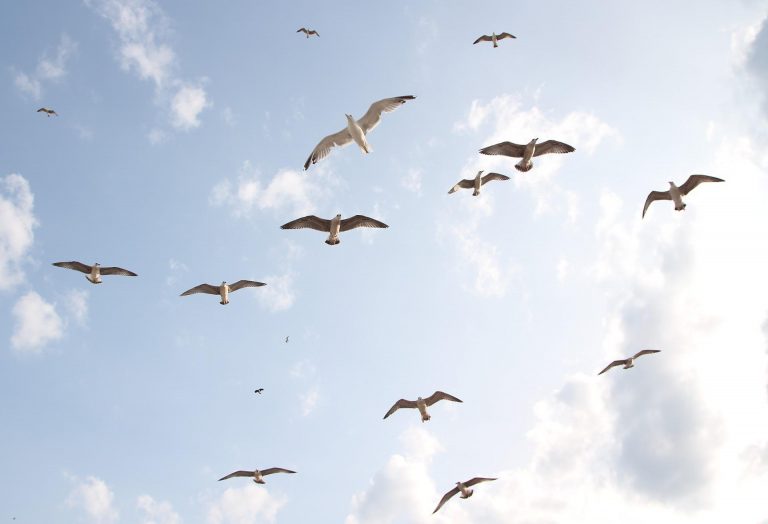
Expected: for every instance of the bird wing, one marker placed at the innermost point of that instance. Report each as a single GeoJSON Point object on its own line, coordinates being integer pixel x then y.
{"type": "Point", "coordinates": [240, 284]}
{"type": "Point", "coordinates": [612, 364]}
{"type": "Point", "coordinates": [695, 180]}
{"type": "Point", "coordinates": [116, 271]}
{"type": "Point", "coordinates": [77, 266]}
{"type": "Point", "coordinates": [439, 395]}
{"type": "Point", "coordinates": [360, 221]}
{"type": "Point", "coordinates": [504, 148]}
{"type": "Point", "coordinates": [446, 498]}
{"type": "Point", "coordinates": [655, 195]}
{"type": "Point", "coordinates": [42, 109]}
{"type": "Point", "coordinates": [505, 35]}
{"type": "Point", "coordinates": [493, 176]}
{"type": "Point", "coordinates": [477, 480]}
{"type": "Point", "coordinates": [238, 474]}
{"type": "Point", "coordinates": [323, 148]}
{"type": "Point", "coordinates": [646, 352]}
{"type": "Point", "coordinates": [310, 221]}
{"type": "Point", "coordinates": [552, 146]}
{"type": "Point", "coordinates": [313, 32]}
{"type": "Point", "coordinates": [269, 471]}
{"type": "Point", "coordinates": [371, 119]}
{"type": "Point", "coordinates": [202, 288]}
{"type": "Point", "coordinates": [304, 29]}
{"type": "Point", "coordinates": [466, 184]}
{"type": "Point", "coordinates": [402, 403]}
{"type": "Point", "coordinates": [484, 38]}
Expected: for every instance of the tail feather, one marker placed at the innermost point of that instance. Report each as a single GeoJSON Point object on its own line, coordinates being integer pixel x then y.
{"type": "Point", "coordinates": [524, 167]}
{"type": "Point", "coordinates": [333, 243]}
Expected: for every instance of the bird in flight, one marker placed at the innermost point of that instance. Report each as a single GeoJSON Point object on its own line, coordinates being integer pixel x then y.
{"type": "Point", "coordinates": [422, 403]}
{"type": "Point", "coordinates": [676, 193]}
{"type": "Point", "coordinates": [286, 339]}
{"type": "Point", "coordinates": [528, 151]}
{"type": "Point", "coordinates": [356, 129]}
{"type": "Point", "coordinates": [258, 390]}
{"type": "Point", "coordinates": [334, 226]}
{"type": "Point", "coordinates": [462, 487]}
{"type": "Point", "coordinates": [493, 38]}
{"type": "Point", "coordinates": [223, 290]}
{"type": "Point", "coordinates": [95, 272]}
{"type": "Point", "coordinates": [478, 181]}
{"type": "Point", "coordinates": [629, 362]}
{"type": "Point", "coordinates": [257, 475]}
{"type": "Point", "coordinates": [48, 112]}
{"type": "Point", "coordinates": [308, 32]}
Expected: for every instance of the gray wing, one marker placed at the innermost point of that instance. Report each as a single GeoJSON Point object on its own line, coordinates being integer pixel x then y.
{"type": "Point", "coordinates": [202, 288]}
{"type": "Point", "coordinates": [655, 195]}
{"type": "Point", "coordinates": [695, 180]}
{"type": "Point", "coordinates": [552, 146]}
{"type": "Point", "coordinates": [465, 184]}
{"type": "Point", "coordinates": [269, 471]}
{"type": "Point", "coordinates": [446, 498]}
{"type": "Point", "coordinates": [371, 119]}
{"type": "Point", "coordinates": [505, 35]}
{"type": "Point", "coordinates": [323, 148]}
{"type": "Point", "coordinates": [646, 352]}
{"type": "Point", "coordinates": [484, 38]}
{"type": "Point", "coordinates": [303, 29]}
{"type": "Point", "coordinates": [504, 148]}
{"type": "Point", "coordinates": [477, 480]}
{"type": "Point", "coordinates": [240, 284]}
{"type": "Point", "coordinates": [402, 403]}
{"type": "Point", "coordinates": [310, 221]}
{"type": "Point", "coordinates": [360, 221]}
{"type": "Point", "coordinates": [493, 176]}
{"type": "Point", "coordinates": [612, 364]}
{"type": "Point", "coordinates": [439, 395]}
{"type": "Point", "coordinates": [238, 474]}
{"type": "Point", "coordinates": [313, 32]}
{"type": "Point", "coordinates": [116, 271]}
{"type": "Point", "coordinates": [77, 266]}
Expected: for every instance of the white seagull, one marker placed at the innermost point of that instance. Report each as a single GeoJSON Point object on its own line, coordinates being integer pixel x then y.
{"type": "Point", "coordinates": [48, 112]}
{"type": "Point", "coordinates": [629, 362]}
{"type": "Point", "coordinates": [493, 38]}
{"type": "Point", "coordinates": [528, 151]}
{"type": "Point", "coordinates": [676, 193]}
{"type": "Point", "coordinates": [333, 226]}
{"type": "Point", "coordinates": [462, 487]}
{"type": "Point", "coordinates": [94, 273]}
{"type": "Point", "coordinates": [223, 290]}
{"type": "Point", "coordinates": [478, 181]}
{"type": "Point", "coordinates": [356, 130]}
{"type": "Point", "coordinates": [421, 404]}
{"type": "Point", "coordinates": [308, 32]}
{"type": "Point", "coordinates": [257, 475]}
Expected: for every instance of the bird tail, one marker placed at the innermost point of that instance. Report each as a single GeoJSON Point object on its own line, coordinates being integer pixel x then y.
{"type": "Point", "coordinates": [333, 242]}
{"type": "Point", "coordinates": [475, 193]}
{"type": "Point", "coordinates": [524, 167]}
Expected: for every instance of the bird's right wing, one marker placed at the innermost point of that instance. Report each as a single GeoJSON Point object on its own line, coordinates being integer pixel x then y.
{"type": "Point", "coordinates": [484, 38]}
{"type": "Point", "coordinates": [552, 146]}
{"type": "Point", "coordinates": [402, 403]}
{"type": "Point", "coordinates": [269, 471]}
{"type": "Point", "coordinates": [77, 266]}
{"type": "Point", "coordinates": [493, 176]}
{"type": "Point", "coordinates": [116, 271]}
{"type": "Point", "coordinates": [612, 364]}
{"type": "Point", "coordinates": [304, 29]}
{"type": "Point", "coordinates": [504, 148]}
{"type": "Point", "coordinates": [655, 195]}
{"type": "Point", "coordinates": [446, 498]}
{"type": "Point", "coordinates": [240, 284]}
{"type": "Point", "coordinates": [695, 180]}
{"type": "Point", "coordinates": [238, 474]}
{"type": "Point", "coordinates": [310, 221]}
{"type": "Point", "coordinates": [465, 184]}
{"type": "Point", "coordinates": [646, 352]}
{"type": "Point", "coordinates": [361, 221]}
{"type": "Point", "coordinates": [439, 395]}
{"type": "Point", "coordinates": [202, 288]}
{"type": "Point", "coordinates": [323, 148]}
{"type": "Point", "coordinates": [477, 480]}
{"type": "Point", "coordinates": [505, 35]}
{"type": "Point", "coordinates": [372, 117]}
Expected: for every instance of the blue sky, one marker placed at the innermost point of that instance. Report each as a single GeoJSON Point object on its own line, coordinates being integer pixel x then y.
{"type": "Point", "coordinates": [177, 154]}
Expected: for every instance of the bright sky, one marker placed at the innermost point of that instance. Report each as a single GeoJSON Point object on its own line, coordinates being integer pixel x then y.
{"type": "Point", "coordinates": [177, 154]}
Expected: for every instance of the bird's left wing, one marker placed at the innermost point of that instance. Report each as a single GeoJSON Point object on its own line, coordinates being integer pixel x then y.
{"type": "Point", "coordinates": [504, 148]}
{"type": "Point", "coordinates": [612, 364]}
{"type": "Point", "coordinates": [477, 480]}
{"type": "Point", "coordinates": [552, 146]}
{"type": "Point", "coordinates": [240, 284]}
{"type": "Point", "coordinates": [402, 403]}
{"type": "Point", "coordinates": [269, 471]}
{"type": "Point", "coordinates": [371, 118]}
{"type": "Point", "coordinates": [303, 29]}
{"type": "Point", "coordinates": [655, 195]}
{"type": "Point", "coordinates": [439, 395]}
{"type": "Point", "coordinates": [360, 221]}
{"type": "Point", "coordinates": [310, 221]}
{"type": "Point", "coordinates": [77, 266]}
{"type": "Point", "coordinates": [505, 35]}
{"type": "Point", "coordinates": [202, 288]}
{"type": "Point", "coordinates": [446, 498]}
{"type": "Point", "coordinates": [493, 176]}
{"type": "Point", "coordinates": [238, 474]}
{"type": "Point", "coordinates": [695, 180]}
{"type": "Point", "coordinates": [323, 148]}
{"type": "Point", "coordinates": [646, 352]}
{"type": "Point", "coordinates": [484, 38]}
{"type": "Point", "coordinates": [466, 184]}
{"type": "Point", "coordinates": [116, 271]}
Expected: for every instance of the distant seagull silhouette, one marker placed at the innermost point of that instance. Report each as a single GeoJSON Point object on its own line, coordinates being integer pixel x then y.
{"type": "Point", "coordinates": [48, 112]}
{"type": "Point", "coordinates": [478, 181]}
{"type": "Point", "coordinates": [257, 475]}
{"type": "Point", "coordinates": [333, 226]}
{"type": "Point", "coordinates": [286, 339]}
{"type": "Point", "coordinates": [463, 488]}
{"type": "Point", "coordinates": [676, 193]}
{"type": "Point", "coordinates": [259, 390]}
{"type": "Point", "coordinates": [95, 272]}
{"type": "Point", "coordinates": [421, 404]}
{"type": "Point", "coordinates": [493, 38]}
{"type": "Point", "coordinates": [356, 129]}
{"type": "Point", "coordinates": [528, 151]}
{"type": "Point", "coordinates": [629, 362]}
{"type": "Point", "coordinates": [308, 32]}
{"type": "Point", "coordinates": [223, 290]}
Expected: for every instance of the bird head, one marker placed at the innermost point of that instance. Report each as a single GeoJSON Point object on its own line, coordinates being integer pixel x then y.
{"type": "Point", "coordinates": [534, 140]}
{"type": "Point", "coordinates": [96, 264]}
{"type": "Point", "coordinates": [350, 118]}
{"type": "Point", "coordinates": [224, 283]}
{"type": "Point", "coordinates": [338, 215]}
{"type": "Point", "coordinates": [671, 184]}
{"type": "Point", "coordinates": [480, 172]}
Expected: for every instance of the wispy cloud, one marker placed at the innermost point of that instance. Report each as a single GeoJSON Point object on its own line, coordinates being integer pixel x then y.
{"type": "Point", "coordinates": [17, 222]}
{"type": "Point", "coordinates": [155, 512]}
{"type": "Point", "coordinates": [49, 68]}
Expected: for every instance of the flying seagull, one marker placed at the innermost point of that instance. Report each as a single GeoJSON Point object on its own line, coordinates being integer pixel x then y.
{"type": "Point", "coordinates": [629, 362]}
{"type": "Point", "coordinates": [478, 181]}
{"type": "Point", "coordinates": [356, 130]}
{"type": "Point", "coordinates": [258, 390]}
{"type": "Point", "coordinates": [257, 475]}
{"type": "Point", "coordinates": [493, 38]}
{"type": "Point", "coordinates": [462, 487]}
{"type": "Point", "coordinates": [421, 404]}
{"type": "Point", "coordinates": [333, 226]}
{"type": "Point", "coordinates": [286, 339]}
{"type": "Point", "coordinates": [676, 193]}
{"type": "Point", "coordinates": [48, 112]}
{"type": "Point", "coordinates": [95, 272]}
{"type": "Point", "coordinates": [223, 290]}
{"type": "Point", "coordinates": [308, 32]}
{"type": "Point", "coordinates": [527, 151]}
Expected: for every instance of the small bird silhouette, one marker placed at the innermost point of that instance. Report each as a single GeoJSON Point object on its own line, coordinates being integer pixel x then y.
{"type": "Point", "coordinates": [259, 391]}
{"type": "Point", "coordinates": [286, 339]}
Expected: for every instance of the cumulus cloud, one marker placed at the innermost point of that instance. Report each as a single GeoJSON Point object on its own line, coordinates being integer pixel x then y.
{"type": "Point", "coordinates": [155, 512]}
{"type": "Point", "coordinates": [17, 222]}
{"type": "Point", "coordinates": [49, 68]}
{"type": "Point", "coordinates": [187, 104]}
{"type": "Point", "coordinates": [246, 505]}
{"type": "Point", "coordinates": [36, 324]}
{"type": "Point", "coordinates": [95, 498]}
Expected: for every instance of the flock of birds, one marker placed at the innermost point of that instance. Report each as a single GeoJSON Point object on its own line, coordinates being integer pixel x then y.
{"type": "Point", "coordinates": [356, 131]}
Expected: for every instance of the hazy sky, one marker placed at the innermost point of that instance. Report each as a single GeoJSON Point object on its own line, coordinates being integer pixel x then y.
{"type": "Point", "coordinates": [177, 154]}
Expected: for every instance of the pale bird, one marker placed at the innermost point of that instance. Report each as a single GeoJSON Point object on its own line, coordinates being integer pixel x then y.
{"type": "Point", "coordinates": [356, 129]}
{"type": "Point", "coordinates": [422, 404]}
{"type": "Point", "coordinates": [493, 38]}
{"type": "Point", "coordinates": [528, 151]}
{"type": "Point", "coordinates": [95, 272]}
{"type": "Point", "coordinates": [463, 488]}
{"type": "Point", "coordinates": [477, 182]}
{"type": "Point", "coordinates": [333, 226]}
{"type": "Point", "coordinates": [676, 193]}
{"type": "Point", "coordinates": [257, 475]}
{"type": "Point", "coordinates": [223, 290]}
{"type": "Point", "coordinates": [629, 362]}
{"type": "Point", "coordinates": [308, 32]}
{"type": "Point", "coordinates": [47, 111]}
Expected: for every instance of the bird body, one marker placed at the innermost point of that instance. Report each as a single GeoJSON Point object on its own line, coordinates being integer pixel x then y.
{"type": "Point", "coordinates": [477, 182]}
{"type": "Point", "coordinates": [528, 151]}
{"type": "Point", "coordinates": [675, 193]}
{"type": "Point", "coordinates": [357, 134]}
{"type": "Point", "coordinates": [93, 273]}
{"type": "Point", "coordinates": [629, 362]}
{"type": "Point", "coordinates": [222, 290]}
{"type": "Point", "coordinates": [421, 404]}
{"type": "Point", "coordinates": [334, 226]}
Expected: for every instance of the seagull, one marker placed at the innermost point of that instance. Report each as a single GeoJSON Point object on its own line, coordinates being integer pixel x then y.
{"type": "Point", "coordinates": [258, 390]}
{"type": "Point", "coordinates": [478, 181]}
{"type": "Point", "coordinates": [286, 339]}
{"type": "Point", "coordinates": [463, 488]}
{"type": "Point", "coordinates": [94, 273]}
{"type": "Point", "coordinates": [493, 38]}
{"type": "Point", "coordinates": [421, 404]}
{"type": "Point", "coordinates": [676, 193]}
{"type": "Point", "coordinates": [223, 290]}
{"type": "Point", "coordinates": [257, 475]}
{"type": "Point", "coordinates": [629, 362]}
{"type": "Point", "coordinates": [356, 130]}
{"type": "Point", "coordinates": [333, 226]}
{"type": "Point", "coordinates": [308, 32]}
{"type": "Point", "coordinates": [527, 151]}
{"type": "Point", "coordinates": [48, 112]}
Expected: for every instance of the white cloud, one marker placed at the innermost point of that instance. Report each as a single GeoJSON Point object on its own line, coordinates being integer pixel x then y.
{"type": "Point", "coordinates": [17, 222]}
{"type": "Point", "coordinates": [246, 505]}
{"type": "Point", "coordinates": [278, 294]}
{"type": "Point", "coordinates": [177, 269]}
{"type": "Point", "coordinates": [36, 324]}
{"type": "Point", "coordinates": [157, 512]}
{"type": "Point", "coordinates": [48, 68]}
{"type": "Point", "coordinates": [309, 401]}
{"type": "Point", "coordinates": [187, 105]}
{"type": "Point", "coordinates": [157, 136]}
{"type": "Point", "coordinates": [95, 498]}
{"type": "Point", "coordinates": [76, 301]}
{"type": "Point", "coordinates": [412, 181]}
{"type": "Point", "coordinates": [28, 85]}
{"type": "Point", "coordinates": [303, 369]}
